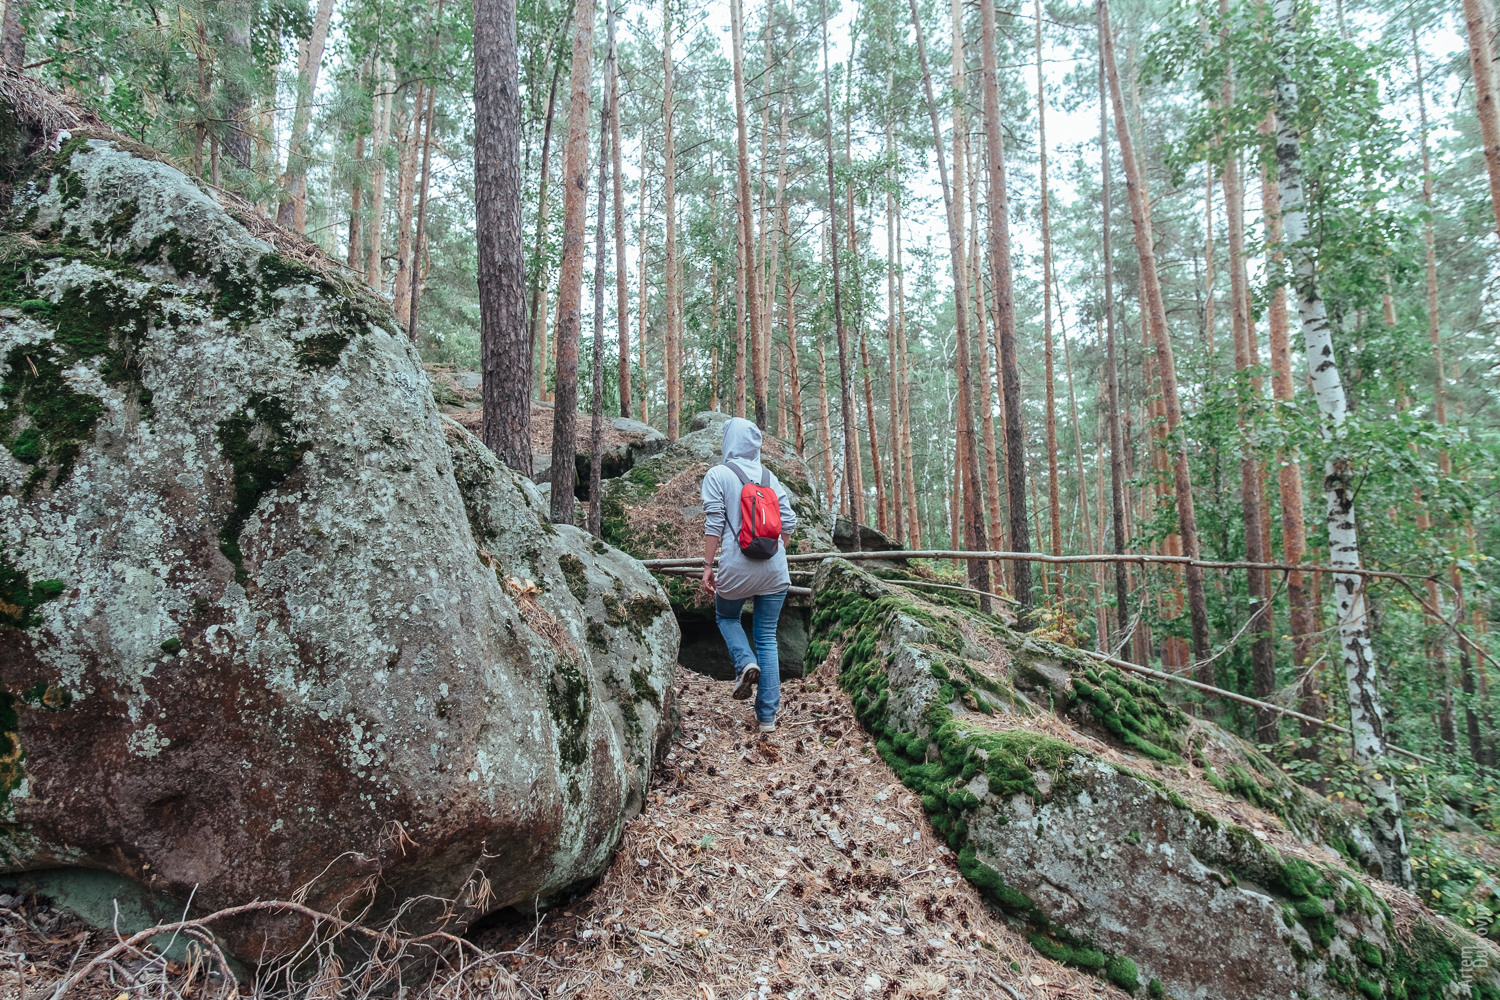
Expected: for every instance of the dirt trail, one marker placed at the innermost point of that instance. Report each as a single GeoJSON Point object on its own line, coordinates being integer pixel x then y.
{"type": "Point", "coordinates": [796, 866]}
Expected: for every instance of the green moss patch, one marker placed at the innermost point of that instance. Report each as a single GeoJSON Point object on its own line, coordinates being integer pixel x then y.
{"type": "Point", "coordinates": [576, 576]}
{"type": "Point", "coordinates": [44, 420]}
{"type": "Point", "coordinates": [262, 446]}
{"type": "Point", "coordinates": [20, 598]}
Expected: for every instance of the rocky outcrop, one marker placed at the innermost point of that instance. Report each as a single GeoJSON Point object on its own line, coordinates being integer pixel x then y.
{"type": "Point", "coordinates": [268, 623]}
{"type": "Point", "coordinates": [1151, 848]}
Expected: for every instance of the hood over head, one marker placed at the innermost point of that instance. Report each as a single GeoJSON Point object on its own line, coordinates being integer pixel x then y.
{"type": "Point", "coordinates": [742, 444]}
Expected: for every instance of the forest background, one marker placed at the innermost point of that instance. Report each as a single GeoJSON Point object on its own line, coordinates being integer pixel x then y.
{"type": "Point", "coordinates": [808, 218]}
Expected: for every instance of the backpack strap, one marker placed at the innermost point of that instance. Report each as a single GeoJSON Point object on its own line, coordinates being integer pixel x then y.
{"type": "Point", "coordinates": [765, 476]}
{"type": "Point", "coordinates": [744, 479]}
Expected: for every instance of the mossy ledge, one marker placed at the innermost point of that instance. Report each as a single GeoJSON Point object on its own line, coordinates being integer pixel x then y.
{"type": "Point", "coordinates": [1109, 869]}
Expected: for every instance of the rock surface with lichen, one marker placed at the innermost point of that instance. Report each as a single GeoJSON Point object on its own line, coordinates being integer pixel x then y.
{"type": "Point", "coordinates": [1153, 849]}
{"type": "Point", "coordinates": [268, 623]}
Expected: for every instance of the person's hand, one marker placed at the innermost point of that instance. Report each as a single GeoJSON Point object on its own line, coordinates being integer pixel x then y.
{"type": "Point", "coordinates": [709, 585]}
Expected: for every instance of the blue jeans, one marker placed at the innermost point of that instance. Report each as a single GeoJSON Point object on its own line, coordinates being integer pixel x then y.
{"type": "Point", "coordinates": [767, 612]}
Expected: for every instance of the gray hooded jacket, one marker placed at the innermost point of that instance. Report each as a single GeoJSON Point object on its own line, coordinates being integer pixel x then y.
{"type": "Point", "coordinates": [739, 577]}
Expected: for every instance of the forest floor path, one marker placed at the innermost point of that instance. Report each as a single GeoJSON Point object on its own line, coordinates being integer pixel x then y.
{"type": "Point", "coordinates": [794, 866]}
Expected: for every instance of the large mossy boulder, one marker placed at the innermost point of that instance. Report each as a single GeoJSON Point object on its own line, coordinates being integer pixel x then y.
{"type": "Point", "coordinates": [269, 625]}
{"type": "Point", "coordinates": [1090, 809]}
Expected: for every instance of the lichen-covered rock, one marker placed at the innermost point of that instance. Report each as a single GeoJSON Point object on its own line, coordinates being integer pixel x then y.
{"type": "Point", "coordinates": [267, 621]}
{"type": "Point", "coordinates": [1086, 810]}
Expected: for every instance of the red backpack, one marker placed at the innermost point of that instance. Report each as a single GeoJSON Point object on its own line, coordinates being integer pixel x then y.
{"type": "Point", "coordinates": [760, 516]}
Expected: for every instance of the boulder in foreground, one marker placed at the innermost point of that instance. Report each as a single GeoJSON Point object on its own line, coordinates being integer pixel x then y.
{"type": "Point", "coordinates": [267, 622]}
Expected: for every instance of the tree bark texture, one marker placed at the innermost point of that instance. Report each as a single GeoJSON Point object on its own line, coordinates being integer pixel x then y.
{"type": "Point", "coordinates": [292, 211]}
{"type": "Point", "coordinates": [505, 349]}
{"type": "Point", "coordinates": [1482, 66]}
{"type": "Point", "coordinates": [1252, 489]}
{"type": "Point", "coordinates": [570, 273]}
{"type": "Point", "coordinates": [1003, 289]}
{"type": "Point", "coordinates": [1366, 718]}
{"type": "Point", "coordinates": [967, 446]}
{"type": "Point", "coordinates": [1146, 253]}
{"type": "Point", "coordinates": [754, 304]}
{"type": "Point", "coordinates": [13, 34]}
{"type": "Point", "coordinates": [1054, 505]}
{"type": "Point", "coordinates": [1112, 369]}
{"type": "Point", "coordinates": [596, 409]}
{"type": "Point", "coordinates": [622, 287]}
{"type": "Point", "coordinates": [374, 263]}
{"type": "Point", "coordinates": [846, 389]}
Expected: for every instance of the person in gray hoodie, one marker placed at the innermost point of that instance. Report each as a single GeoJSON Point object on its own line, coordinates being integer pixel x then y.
{"type": "Point", "coordinates": [739, 578]}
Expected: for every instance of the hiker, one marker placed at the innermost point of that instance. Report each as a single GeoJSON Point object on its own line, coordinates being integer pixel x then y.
{"type": "Point", "coordinates": [753, 563]}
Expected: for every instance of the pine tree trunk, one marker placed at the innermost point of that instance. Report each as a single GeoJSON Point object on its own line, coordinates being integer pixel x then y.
{"type": "Point", "coordinates": [622, 287]}
{"type": "Point", "coordinates": [374, 266]}
{"type": "Point", "coordinates": [1053, 502]}
{"type": "Point", "coordinates": [420, 242]}
{"type": "Point", "coordinates": [13, 34]}
{"type": "Point", "coordinates": [913, 518]}
{"type": "Point", "coordinates": [1481, 65]}
{"type": "Point", "coordinates": [986, 388]}
{"type": "Point", "coordinates": [825, 426]}
{"type": "Point", "coordinates": [846, 390]}
{"type": "Point", "coordinates": [751, 265]}
{"type": "Point", "coordinates": [1122, 635]}
{"type": "Point", "coordinates": [1252, 495]}
{"type": "Point", "coordinates": [897, 494]}
{"type": "Point", "coordinates": [973, 517]}
{"type": "Point", "coordinates": [871, 425]}
{"type": "Point", "coordinates": [1146, 253]}
{"type": "Point", "coordinates": [570, 273]}
{"type": "Point", "coordinates": [596, 409]}
{"type": "Point", "coordinates": [292, 211]}
{"type": "Point", "coordinates": [669, 183]}
{"type": "Point", "coordinates": [643, 303]}
{"type": "Point", "coordinates": [1366, 718]}
{"type": "Point", "coordinates": [796, 363]}
{"type": "Point", "coordinates": [741, 327]}
{"type": "Point", "coordinates": [1440, 416]}
{"type": "Point", "coordinates": [505, 352]}
{"type": "Point", "coordinates": [356, 196]}
{"type": "Point", "coordinates": [537, 324]}
{"type": "Point", "coordinates": [405, 198]}
{"type": "Point", "coordinates": [1005, 314]}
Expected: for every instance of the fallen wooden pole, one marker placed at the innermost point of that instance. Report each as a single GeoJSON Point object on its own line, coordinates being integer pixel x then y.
{"type": "Point", "coordinates": [1232, 696]}
{"type": "Point", "coordinates": [1136, 558]}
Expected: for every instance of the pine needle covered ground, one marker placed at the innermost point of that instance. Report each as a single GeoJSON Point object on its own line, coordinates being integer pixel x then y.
{"type": "Point", "coordinates": [796, 866]}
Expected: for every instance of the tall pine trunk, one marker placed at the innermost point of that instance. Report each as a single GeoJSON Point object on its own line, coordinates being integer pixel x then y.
{"type": "Point", "coordinates": [1053, 503]}
{"type": "Point", "coordinates": [570, 273]}
{"type": "Point", "coordinates": [643, 296]}
{"type": "Point", "coordinates": [1112, 369]}
{"type": "Point", "coordinates": [406, 184]}
{"type": "Point", "coordinates": [846, 391]}
{"type": "Point", "coordinates": [1146, 254]}
{"type": "Point", "coordinates": [669, 183]}
{"type": "Point", "coordinates": [505, 352]}
{"type": "Point", "coordinates": [596, 408]}
{"type": "Point", "coordinates": [1005, 312]}
{"type": "Point", "coordinates": [622, 288]}
{"type": "Point", "coordinates": [967, 448]}
{"type": "Point", "coordinates": [292, 211]}
{"type": "Point", "coordinates": [537, 324]}
{"type": "Point", "coordinates": [1481, 65]}
{"type": "Point", "coordinates": [1366, 718]}
{"type": "Point", "coordinates": [1252, 487]}
{"type": "Point", "coordinates": [752, 296]}
{"type": "Point", "coordinates": [374, 264]}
